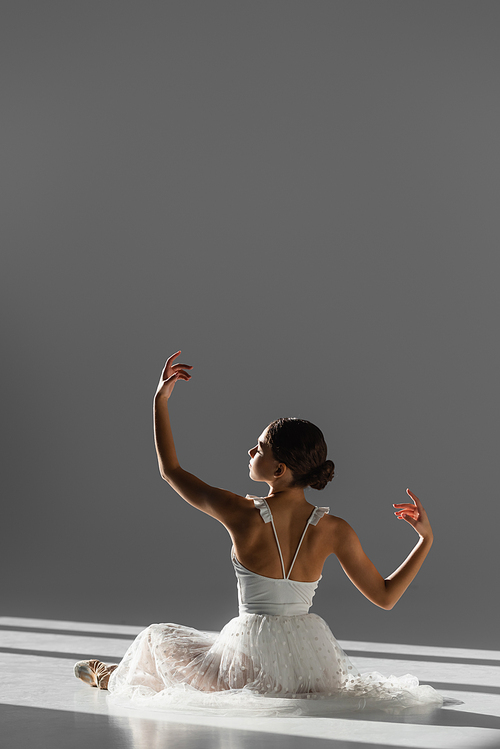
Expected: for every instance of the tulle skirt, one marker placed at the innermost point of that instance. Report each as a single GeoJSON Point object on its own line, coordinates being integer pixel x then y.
{"type": "Point", "coordinates": [260, 664]}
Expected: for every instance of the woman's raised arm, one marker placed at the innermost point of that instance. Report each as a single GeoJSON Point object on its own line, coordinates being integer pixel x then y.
{"type": "Point", "coordinates": [164, 440]}
{"type": "Point", "coordinates": [220, 504]}
{"type": "Point", "coordinates": [363, 573]}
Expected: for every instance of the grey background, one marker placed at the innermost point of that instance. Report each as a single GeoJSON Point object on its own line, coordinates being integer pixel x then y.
{"type": "Point", "coordinates": [303, 196]}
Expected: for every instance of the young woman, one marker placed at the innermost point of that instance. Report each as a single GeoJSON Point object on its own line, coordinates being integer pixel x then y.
{"type": "Point", "coordinates": [275, 655]}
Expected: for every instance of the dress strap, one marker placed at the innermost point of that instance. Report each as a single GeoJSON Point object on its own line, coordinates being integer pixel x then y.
{"type": "Point", "coordinates": [267, 517]}
{"type": "Point", "coordinates": [314, 518]}
{"type": "Point", "coordinates": [318, 514]}
{"type": "Point", "coordinates": [263, 508]}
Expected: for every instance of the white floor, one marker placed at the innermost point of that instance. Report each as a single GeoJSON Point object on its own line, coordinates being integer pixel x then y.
{"type": "Point", "coordinates": [43, 705]}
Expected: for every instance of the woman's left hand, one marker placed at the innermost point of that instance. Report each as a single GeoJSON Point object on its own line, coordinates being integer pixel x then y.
{"type": "Point", "coordinates": [415, 515]}
{"type": "Point", "coordinates": [171, 373]}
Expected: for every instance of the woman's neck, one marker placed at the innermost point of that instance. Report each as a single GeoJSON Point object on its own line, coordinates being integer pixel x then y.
{"type": "Point", "coordinates": [286, 494]}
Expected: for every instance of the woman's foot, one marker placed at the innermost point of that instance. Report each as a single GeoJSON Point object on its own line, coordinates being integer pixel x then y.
{"type": "Point", "coordinates": [95, 673]}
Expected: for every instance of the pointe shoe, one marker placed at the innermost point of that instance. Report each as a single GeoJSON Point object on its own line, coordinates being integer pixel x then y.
{"type": "Point", "coordinates": [94, 672]}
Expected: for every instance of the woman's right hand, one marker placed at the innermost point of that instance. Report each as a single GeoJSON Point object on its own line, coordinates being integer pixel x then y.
{"type": "Point", "coordinates": [415, 515]}
{"type": "Point", "coordinates": [171, 373]}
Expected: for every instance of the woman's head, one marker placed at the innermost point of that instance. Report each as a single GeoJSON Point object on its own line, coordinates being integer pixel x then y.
{"type": "Point", "coordinates": [301, 446]}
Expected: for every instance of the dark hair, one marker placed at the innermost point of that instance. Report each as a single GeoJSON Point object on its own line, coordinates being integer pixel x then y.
{"type": "Point", "coordinates": [301, 446]}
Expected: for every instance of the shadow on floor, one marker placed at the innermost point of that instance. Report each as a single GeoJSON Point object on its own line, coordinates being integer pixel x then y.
{"type": "Point", "coordinates": [71, 632]}
{"type": "Point", "coordinates": [447, 717]}
{"type": "Point", "coordinates": [466, 660]}
{"type": "Point", "coordinates": [59, 729]}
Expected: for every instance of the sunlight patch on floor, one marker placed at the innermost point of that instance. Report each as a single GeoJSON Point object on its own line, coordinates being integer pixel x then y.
{"type": "Point", "coordinates": [36, 671]}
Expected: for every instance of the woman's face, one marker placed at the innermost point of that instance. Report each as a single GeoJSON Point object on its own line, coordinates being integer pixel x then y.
{"type": "Point", "coordinates": [262, 464]}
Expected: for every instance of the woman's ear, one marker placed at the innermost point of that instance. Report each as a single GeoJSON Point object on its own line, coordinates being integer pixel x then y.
{"type": "Point", "coordinates": [280, 470]}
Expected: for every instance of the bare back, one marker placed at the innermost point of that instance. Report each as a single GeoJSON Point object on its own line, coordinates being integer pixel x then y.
{"type": "Point", "coordinates": [256, 547]}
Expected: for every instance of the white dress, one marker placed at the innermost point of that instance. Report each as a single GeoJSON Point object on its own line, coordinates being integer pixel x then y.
{"type": "Point", "coordinates": [274, 658]}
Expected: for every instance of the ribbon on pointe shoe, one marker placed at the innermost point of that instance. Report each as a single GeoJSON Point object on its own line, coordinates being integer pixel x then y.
{"type": "Point", "coordinates": [94, 672]}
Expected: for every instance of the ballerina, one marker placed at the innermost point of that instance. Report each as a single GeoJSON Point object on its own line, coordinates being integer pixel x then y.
{"type": "Point", "coordinates": [275, 655]}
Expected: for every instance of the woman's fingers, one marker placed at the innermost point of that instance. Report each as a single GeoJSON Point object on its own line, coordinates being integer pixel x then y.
{"type": "Point", "coordinates": [170, 368]}
{"type": "Point", "coordinates": [416, 501]}
{"type": "Point", "coordinates": [415, 498]}
{"type": "Point", "coordinates": [169, 361]}
{"type": "Point", "coordinates": [407, 511]}
{"type": "Point", "coordinates": [406, 508]}
{"type": "Point", "coordinates": [179, 375]}
{"type": "Point", "coordinates": [171, 373]}
{"type": "Point", "coordinates": [182, 366]}
{"type": "Point", "coordinates": [414, 514]}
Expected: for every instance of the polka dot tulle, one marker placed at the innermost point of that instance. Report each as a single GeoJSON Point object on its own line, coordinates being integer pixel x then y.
{"type": "Point", "coordinates": [269, 665]}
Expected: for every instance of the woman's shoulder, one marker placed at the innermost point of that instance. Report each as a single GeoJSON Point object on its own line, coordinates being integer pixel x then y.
{"type": "Point", "coordinates": [242, 506]}
{"type": "Point", "coordinates": [334, 528]}
{"type": "Point", "coordinates": [338, 534]}
{"type": "Point", "coordinates": [335, 519]}
{"type": "Point", "coordinates": [338, 524]}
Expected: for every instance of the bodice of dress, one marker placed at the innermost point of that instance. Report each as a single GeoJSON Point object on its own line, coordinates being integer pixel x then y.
{"type": "Point", "coordinates": [258, 594]}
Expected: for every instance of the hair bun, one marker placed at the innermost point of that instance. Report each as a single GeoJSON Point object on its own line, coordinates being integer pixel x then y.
{"type": "Point", "coordinates": [319, 477]}
{"type": "Point", "coordinates": [301, 446]}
